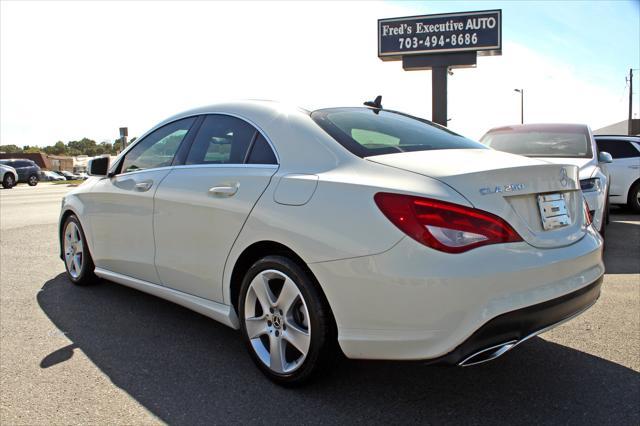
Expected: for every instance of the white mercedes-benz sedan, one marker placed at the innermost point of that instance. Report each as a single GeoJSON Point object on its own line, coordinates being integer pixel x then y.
{"type": "Point", "coordinates": [360, 228]}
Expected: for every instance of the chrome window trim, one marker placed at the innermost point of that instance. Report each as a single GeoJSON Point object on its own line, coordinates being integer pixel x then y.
{"type": "Point", "coordinates": [142, 171]}
{"type": "Point", "coordinates": [174, 119]}
{"type": "Point", "coordinates": [227, 166]}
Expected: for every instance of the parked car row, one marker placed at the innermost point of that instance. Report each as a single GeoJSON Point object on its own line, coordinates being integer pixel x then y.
{"type": "Point", "coordinates": [19, 170]}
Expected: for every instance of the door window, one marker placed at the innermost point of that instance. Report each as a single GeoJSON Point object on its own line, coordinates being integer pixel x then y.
{"type": "Point", "coordinates": [222, 139]}
{"type": "Point", "coordinates": [158, 148]}
{"type": "Point", "coordinates": [617, 148]}
{"type": "Point", "coordinates": [261, 152]}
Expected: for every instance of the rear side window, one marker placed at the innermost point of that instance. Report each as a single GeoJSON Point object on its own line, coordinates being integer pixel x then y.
{"type": "Point", "coordinates": [261, 152]}
{"type": "Point", "coordinates": [617, 148]}
{"type": "Point", "coordinates": [222, 139]}
{"type": "Point", "coordinates": [367, 132]}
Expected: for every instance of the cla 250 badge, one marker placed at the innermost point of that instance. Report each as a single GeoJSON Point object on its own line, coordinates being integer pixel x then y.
{"type": "Point", "coordinates": [502, 188]}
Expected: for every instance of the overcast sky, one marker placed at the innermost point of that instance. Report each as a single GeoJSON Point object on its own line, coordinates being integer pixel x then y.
{"type": "Point", "coordinates": [82, 69]}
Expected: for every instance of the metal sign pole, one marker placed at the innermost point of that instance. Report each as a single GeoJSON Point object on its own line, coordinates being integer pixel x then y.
{"type": "Point", "coordinates": [439, 95]}
{"type": "Point", "coordinates": [439, 42]}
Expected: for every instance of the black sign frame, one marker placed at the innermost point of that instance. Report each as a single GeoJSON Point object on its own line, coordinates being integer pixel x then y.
{"type": "Point", "coordinates": [484, 50]}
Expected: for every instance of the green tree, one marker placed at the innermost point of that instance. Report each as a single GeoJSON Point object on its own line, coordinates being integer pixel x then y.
{"type": "Point", "coordinates": [10, 149]}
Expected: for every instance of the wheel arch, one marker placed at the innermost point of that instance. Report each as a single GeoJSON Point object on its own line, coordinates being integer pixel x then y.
{"type": "Point", "coordinates": [258, 250]}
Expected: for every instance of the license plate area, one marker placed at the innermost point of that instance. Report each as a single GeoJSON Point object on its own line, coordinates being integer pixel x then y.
{"type": "Point", "coordinates": [553, 211]}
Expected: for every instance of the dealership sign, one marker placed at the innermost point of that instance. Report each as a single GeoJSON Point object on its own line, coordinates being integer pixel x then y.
{"type": "Point", "coordinates": [443, 33]}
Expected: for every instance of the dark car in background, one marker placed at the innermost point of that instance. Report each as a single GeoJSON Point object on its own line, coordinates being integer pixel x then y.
{"type": "Point", "coordinates": [28, 170]}
{"type": "Point", "coordinates": [67, 175]}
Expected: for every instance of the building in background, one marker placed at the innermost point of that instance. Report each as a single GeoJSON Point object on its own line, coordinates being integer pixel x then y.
{"type": "Point", "coordinates": [620, 128]}
{"type": "Point", "coordinates": [38, 157]}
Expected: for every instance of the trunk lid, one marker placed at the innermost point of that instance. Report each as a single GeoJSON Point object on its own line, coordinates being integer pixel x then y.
{"type": "Point", "coordinates": [506, 185]}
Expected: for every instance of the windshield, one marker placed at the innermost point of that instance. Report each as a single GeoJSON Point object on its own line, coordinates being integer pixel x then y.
{"type": "Point", "coordinates": [367, 132]}
{"type": "Point", "coordinates": [571, 143]}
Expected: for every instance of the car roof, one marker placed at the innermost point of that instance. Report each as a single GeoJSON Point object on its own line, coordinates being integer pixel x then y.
{"type": "Point", "coordinates": [541, 126]}
{"type": "Point", "coordinates": [618, 137]}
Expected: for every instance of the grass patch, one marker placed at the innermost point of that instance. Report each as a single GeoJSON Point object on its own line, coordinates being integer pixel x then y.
{"type": "Point", "coordinates": [67, 182]}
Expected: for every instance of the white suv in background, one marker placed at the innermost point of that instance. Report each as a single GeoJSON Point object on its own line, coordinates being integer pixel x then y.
{"type": "Point", "coordinates": [624, 170]}
{"type": "Point", "coordinates": [562, 144]}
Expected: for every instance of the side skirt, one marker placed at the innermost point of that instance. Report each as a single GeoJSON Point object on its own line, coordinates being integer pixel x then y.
{"type": "Point", "coordinates": [217, 311]}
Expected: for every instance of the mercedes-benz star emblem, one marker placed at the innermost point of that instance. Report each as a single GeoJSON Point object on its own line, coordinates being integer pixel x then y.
{"type": "Point", "coordinates": [564, 180]}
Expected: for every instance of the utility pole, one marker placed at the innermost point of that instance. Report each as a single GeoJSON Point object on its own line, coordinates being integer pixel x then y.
{"type": "Point", "coordinates": [521, 91]}
{"type": "Point", "coordinates": [630, 128]}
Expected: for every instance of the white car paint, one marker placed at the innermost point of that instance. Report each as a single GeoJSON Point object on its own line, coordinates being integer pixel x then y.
{"type": "Point", "coordinates": [590, 168]}
{"type": "Point", "coordinates": [392, 297]}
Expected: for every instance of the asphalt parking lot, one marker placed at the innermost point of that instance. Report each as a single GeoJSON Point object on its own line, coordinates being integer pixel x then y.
{"type": "Point", "coordinates": [112, 355]}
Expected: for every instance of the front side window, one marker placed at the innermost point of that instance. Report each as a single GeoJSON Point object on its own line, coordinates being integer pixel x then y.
{"type": "Point", "coordinates": [541, 141]}
{"type": "Point", "coordinates": [158, 148]}
{"type": "Point", "coordinates": [366, 132]}
{"type": "Point", "coordinates": [222, 139]}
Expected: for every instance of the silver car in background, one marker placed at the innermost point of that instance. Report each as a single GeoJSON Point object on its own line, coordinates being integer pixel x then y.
{"type": "Point", "coordinates": [8, 176]}
{"type": "Point", "coordinates": [562, 144]}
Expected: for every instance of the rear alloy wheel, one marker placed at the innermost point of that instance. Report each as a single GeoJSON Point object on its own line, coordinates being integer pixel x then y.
{"type": "Point", "coordinates": [33, 180]}
{"type": "Point", "coordinates": [9, 181]}
{"type": "Point", "coordinates": [77, 260]}
{"type": "Point", "coordinates": [633, 202]}
{"type": "Point", "coordinates": [284, 320]}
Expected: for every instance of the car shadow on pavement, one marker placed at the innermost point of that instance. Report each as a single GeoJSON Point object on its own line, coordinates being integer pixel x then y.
{"type": "Point", "coordinates": [623, 256]}
{"type": "Point", "coordinates": [188, 369]}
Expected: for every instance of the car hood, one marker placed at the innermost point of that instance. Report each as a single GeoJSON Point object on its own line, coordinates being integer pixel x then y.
{"type": "Point", "coordinates": [587, 167]}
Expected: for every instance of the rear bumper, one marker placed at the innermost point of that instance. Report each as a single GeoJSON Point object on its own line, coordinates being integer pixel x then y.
{"type": "Point", "coordinates": [506, 331]}
{"type": "Point", "coordinates": [413, 303]}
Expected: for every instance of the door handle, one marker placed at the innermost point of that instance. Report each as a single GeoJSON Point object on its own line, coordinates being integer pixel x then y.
{"type": "Point", "coordinates": [225, 191]}
{"type": "Point", "coordinates": [143, 186]}
{"type": "Point", "coordinates": [634, 167]}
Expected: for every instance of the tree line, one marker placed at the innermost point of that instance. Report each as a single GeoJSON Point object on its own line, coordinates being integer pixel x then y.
{"type": "Point", "coordinates": [84, 146]}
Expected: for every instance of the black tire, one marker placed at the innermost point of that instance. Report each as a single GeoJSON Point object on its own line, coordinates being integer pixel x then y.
{"type": "Point", "coordinates": [86, 275]}
{"type": "Point", "coordinates": [322, 347]}
{"type": "Point", "coordinates": [632, 201]}
{"type": "Point", "coordinates": [32, 180]}
{"type": "Point", "coordinates": [9, 181]}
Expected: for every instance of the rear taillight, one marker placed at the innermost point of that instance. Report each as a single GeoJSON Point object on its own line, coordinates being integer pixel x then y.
{"type": "Point", "coordinates": [587, 214]}
{"type": "Point", "coordinates": [444, 226]}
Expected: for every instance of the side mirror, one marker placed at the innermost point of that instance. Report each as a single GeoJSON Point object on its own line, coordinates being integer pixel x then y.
{"type": "Point", "coordinates": [605, 157]}
{"type": "Point", "coordinates": [98, 166]}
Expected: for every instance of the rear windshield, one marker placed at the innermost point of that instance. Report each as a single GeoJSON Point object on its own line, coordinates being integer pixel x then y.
{"type": "Point", "coordinates": [367, 132]}
{"type": "Point", "coordinates": [571, 143]}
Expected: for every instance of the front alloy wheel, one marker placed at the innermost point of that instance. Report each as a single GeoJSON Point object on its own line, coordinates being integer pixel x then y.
{"type": "Point", "coordinates": [73, 250]}
{"type": "Point", "coordinates": [33, 180]}
{"type": "Point", "coordinates": [77, 260]}
{"type": "Point", "coordinates": [285, 320]}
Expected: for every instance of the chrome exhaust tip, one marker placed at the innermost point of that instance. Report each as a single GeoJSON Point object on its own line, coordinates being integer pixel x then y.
{"type": "Point", "coordinates": [488, 354]}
